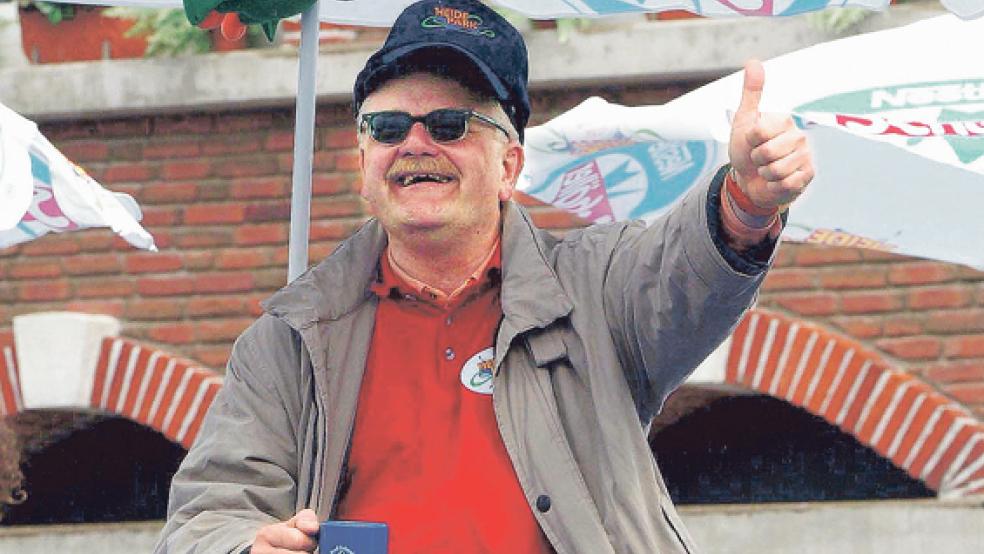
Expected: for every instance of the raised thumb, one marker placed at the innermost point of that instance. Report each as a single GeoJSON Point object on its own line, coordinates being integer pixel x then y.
{"type": "Point", "coordinates": [751, 93]}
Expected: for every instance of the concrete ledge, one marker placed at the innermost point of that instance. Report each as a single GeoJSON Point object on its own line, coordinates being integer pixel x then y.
{"type": "Point", "coordinates": [873, 527]}
{"type": "Point", "coordinates": [651, 51]}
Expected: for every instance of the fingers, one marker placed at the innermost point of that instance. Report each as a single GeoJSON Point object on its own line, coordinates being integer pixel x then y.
{"type": "Point", "coordinates": [294, 536]}
{"type": "Point", "coordinates": [751, 94]}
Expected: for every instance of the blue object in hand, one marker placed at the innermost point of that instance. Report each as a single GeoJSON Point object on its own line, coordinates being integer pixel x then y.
{"type": "Point", "coordinates": [353, 537]}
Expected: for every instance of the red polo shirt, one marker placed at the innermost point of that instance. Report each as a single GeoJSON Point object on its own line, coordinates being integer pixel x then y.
{"type": "Point", "coordinates": [426, 456]}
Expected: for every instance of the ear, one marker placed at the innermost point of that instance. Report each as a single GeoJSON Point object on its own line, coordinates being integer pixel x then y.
{"type": "Point", "coordinates": [513, 159]}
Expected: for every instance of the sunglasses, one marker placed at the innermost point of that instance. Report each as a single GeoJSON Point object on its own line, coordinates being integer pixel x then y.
{"type": "Point", "coordinates": [444, 125]}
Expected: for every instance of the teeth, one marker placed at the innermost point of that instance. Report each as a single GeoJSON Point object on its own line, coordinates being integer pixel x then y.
{"type": "Point", "coordinates": [408, 180]}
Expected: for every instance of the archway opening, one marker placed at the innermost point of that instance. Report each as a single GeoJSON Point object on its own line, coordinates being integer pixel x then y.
{"type": "Point", "coordinates": [751, 449]}
{"type": "Point", "coordinates": [99, 469]}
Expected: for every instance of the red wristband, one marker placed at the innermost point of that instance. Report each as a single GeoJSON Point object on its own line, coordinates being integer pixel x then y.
{"type": "Point", "coordinates": [740, 198]}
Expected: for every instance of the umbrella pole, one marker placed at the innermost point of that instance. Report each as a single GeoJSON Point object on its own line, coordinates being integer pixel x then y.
{"type": "Point", "coordinates": [300, 200]}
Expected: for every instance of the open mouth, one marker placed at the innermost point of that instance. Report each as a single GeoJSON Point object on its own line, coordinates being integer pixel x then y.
{"type": "Point", "coordinates": [409, 179]}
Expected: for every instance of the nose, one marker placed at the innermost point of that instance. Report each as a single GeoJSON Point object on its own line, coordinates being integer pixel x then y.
{"type": "Point", "coordinates": [418, 141]}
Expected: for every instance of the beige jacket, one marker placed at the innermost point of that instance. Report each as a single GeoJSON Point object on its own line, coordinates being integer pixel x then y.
{"type": "Point", "coordinates": [598, 329]}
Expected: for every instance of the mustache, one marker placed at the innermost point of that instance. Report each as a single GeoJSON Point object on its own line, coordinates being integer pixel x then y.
{"type": "Point", "coordinates": [421, 164]}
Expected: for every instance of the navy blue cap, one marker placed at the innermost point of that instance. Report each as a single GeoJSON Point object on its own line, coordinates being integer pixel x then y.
{"type": "Point", "coordinates": [463, 40]}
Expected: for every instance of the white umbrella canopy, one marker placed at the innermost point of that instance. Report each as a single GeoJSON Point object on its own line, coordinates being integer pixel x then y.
{"type": "Point", "coordinates": [895, 119]}
{"type": "Point", "coordinates": [41, 191]}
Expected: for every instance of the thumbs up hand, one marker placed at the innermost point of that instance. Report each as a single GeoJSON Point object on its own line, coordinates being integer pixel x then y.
{"type": "Point", "coordinates": [769, 153]}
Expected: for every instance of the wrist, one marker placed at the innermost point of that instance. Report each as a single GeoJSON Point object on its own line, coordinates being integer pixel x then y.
{"type": "Point", "coordinates": [744, 206]}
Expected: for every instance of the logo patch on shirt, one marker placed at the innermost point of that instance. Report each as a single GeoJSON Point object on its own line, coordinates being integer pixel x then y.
{"type": "Point", "coordinates": [476, 374]}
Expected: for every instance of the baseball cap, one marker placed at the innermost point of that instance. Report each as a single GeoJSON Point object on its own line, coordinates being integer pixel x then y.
{"type": "Point", "coordinates": [463, 40]}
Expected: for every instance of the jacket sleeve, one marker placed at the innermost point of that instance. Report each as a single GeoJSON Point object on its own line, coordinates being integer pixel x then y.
{"type": "Point", "coordinates": [240, 474]}
{"type": "Point", "coordinates": [671, 296]}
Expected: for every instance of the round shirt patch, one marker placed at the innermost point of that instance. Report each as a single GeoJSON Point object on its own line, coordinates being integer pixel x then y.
{"type": "Point", "coordinates": [476, 374]}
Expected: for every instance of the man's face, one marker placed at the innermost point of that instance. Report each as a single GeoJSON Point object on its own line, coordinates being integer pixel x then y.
{"type": "Point", "coordinates": [421, 187]}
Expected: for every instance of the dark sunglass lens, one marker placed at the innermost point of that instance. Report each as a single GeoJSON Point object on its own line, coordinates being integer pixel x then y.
{"type": "Point", "coordinates": [447, 125]}
{"type": "Point", "coordinates": [390, 127]}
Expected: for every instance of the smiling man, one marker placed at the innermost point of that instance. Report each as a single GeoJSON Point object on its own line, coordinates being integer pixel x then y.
{"type": "Point", "coordinates": [473, 382]}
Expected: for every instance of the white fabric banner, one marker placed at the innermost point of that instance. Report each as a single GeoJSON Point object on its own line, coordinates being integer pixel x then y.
{"type": "Point", "coordinates": [382, 13]}
{"type": "Point", "coordinates": [41, 191]}
{"type": "Point", "coordinates": [895, 120]}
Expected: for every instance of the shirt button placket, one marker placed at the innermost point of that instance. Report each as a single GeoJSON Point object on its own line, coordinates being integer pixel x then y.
{"type": "Point", "coordinates": [449, 353]}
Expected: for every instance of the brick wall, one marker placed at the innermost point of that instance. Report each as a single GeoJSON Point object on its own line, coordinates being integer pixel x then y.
{"type": "Point", "coordinates": [215, 192]}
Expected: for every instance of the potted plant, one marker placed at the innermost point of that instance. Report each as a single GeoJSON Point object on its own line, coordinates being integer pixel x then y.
{"type": "Point", "coordinates": [55, 32]}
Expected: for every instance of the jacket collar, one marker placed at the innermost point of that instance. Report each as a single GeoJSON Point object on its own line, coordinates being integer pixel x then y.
{"type": "Point", "coordinates": [531, 293]}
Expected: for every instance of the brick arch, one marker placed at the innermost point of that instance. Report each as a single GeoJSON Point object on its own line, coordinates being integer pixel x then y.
{"type": "Point", "coordinates": [138, 382]}
{"type": "Point", "coordinates": [150, 387]}
{"type": "Point", "coordinates": [899, 416]}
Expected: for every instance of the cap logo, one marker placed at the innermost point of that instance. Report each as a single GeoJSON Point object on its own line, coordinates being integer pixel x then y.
{"type": "Point", "coordinates": [456, 20]}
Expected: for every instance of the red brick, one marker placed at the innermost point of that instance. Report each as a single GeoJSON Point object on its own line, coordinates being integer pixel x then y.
{"type": "Point", "coordinates": [216, 305]}
{"type": "Point", "coordinates": [106, 307]}
{"type": "Point", "coordinates": [244, 122]}
{"type": "Point", "coordinates": [348, 161]}
{"type": "Point", "coordinates": [965, 347]}
{"type": "Point", "coordinates": [183, 124]}
{"type": "Point", "coordinates": [332, 229]}
{"type": "Point", "coordinates": [92, 264]}
{"type": "Point", "coordinates": [939, 297]}
{"type": "Point", "coordinates": [789, 278]}
{"type": "Point", "coordinates": [324, 161]}
{"type": "Point", "coordinates": [198, 259]}
{"type": "Point", "coordinates": [253, 305]}
{"type": "Point", "coordinates": [127, 128]}
{"type": "Point", "coordinates": [853, 277]}
{"type": "Point", "coordinates": [257, 213]}
{"type": "Point", "coordinates": [331, 184]}
{"type": "Point", "coordinates": [337, 207]}
{"type": "Point", "coordinates": [210, 214]}
{"type": "Point", "coordinates": [51, 245]}
{"type": "Point", "coordinates": [221, 330]}
{"type": "Point", "coordinates": [956, 321]}
{"type": "Point", "coordinates": [956, 372]}
{"type": "Point", "coordinates": [285, 163]}
{"type": "Point", "coordinates": [272, 187]}
{"type": "Point", "coordinates": [95, 242]}
{"type": "Point", "coordinates": [122, 172]}
{"type": "Point", "coordinates": [88, 151]}
{"type": "Point", "coordinates": [967, 393]}
{"type": "Point", "coordinates": [920, 273]}
{"type": "Point", "coordinates": [168, 193]}
{"type": "Point", "coordinates": [204, 238]}
{"type": "Point", "coordinates": [157, 262]}
{"type": "Point", "coordinates": [859, 327]}
{"type": "Point", "coordinates": [911, 348]}
{"type": "Point", "coordinates": [162, 216]}
{"type": "Point", "coordinates": [173, 333]}
{"type": "Point", "coordinates": [44, 291]}
{"type": "Point", "coordinates": [808, 304]}
{"type": "Point", "coordinates": [57, 132]}
{"type": "Point", "coordinates": [164, 150]}
{"type": "Point", "coordinates": [235, 144]}
{"type": "Point", "coordinates": [242, 259]}
{"type": "Point", "coordinates": [34, 269]}
{"type": "Point", "coordinates": [826, 255]}
{"type": "Point", "coordinates": [223, 282]}
{"type": "Point", "coordinates": [103, 288]}
{"type": "Point", "coordinates": [869, 255]}
{"type": "Point", "coordinates": [870, 302]}
{"type": "Point", "coordinates": [213, 356]}
{"type": "Point", "coordinates": [899, 325]}
{"type": "Point", "coordinates": [341, 138]}
{"type": "Point", "coordinates": [165, 286]}
{"type": "Point", "coordinates": [265, 233]}
{"type": "Point", "coordinates": [279, 141]}
{"type": "Point", "coordinates": [214, 190]}
{"type": "Point", "coordinates": [247, 167]}
{"type": "Point", "coordinates": [188, 169]}
{"type": "Point", "coordinates": [149, 309]}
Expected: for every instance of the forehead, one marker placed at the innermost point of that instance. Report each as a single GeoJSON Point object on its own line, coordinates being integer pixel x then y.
{"type": "Point", "coordinates": [420, 91]}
